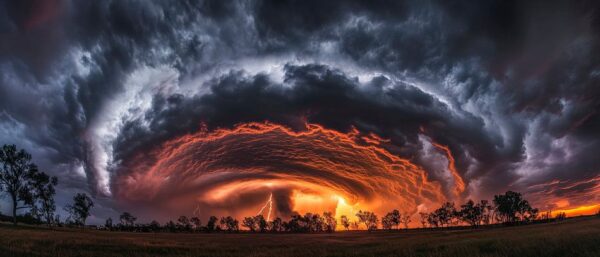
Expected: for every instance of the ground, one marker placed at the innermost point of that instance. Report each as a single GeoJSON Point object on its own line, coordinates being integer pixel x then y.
{"type": "Point", "coordinates": [573, 237]}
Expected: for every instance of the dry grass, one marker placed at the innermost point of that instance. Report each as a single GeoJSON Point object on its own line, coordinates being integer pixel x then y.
{"type": "Point", "coordinates": [573, 237]}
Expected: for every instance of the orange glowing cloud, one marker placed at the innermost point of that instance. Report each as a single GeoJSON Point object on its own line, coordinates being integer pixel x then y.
{"type": "Point", "coordinates": [235, 171]}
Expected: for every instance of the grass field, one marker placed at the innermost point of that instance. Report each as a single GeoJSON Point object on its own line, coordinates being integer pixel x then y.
{"type": "Point", "coordinates": [573, 237]}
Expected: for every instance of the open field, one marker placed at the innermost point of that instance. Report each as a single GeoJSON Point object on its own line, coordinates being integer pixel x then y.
{"type": "Point", "coordinates": [573, 237]}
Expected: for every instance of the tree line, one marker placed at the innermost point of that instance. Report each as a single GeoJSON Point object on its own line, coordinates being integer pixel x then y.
{"type": "Point", "coordinates": [29, 188]}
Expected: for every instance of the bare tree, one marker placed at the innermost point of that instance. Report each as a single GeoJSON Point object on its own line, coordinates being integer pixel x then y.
{"type": "Point", "coordinates": [423, 218]}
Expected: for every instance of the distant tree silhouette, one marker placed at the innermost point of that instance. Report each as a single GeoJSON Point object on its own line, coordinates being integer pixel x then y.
{"type": "Point", "coordinates": [230, 224]}
{"type": "Point", "coordinates": [391, 219]}
{"type": "Point", "coordinates": [170, 226]}
{"type": "Point", "coordinates": [471, 213]}
{"type": "Point", "coordinates": [250, 223]}
{"type": "Point", "coordinates": [276, 225]}
{"type": "Point", "coordinates": [423, 219]}
{"type": "Point", "coordinates": [345, 221]}
{"type": "Point", "coordinates": [330, 222]}
{"type": "Point", "coordinates": [511, 207]}
{"type": "Point", "coordinates": [261, 223]}
{"type": "Point", "coordinates": [39, 195]}
{"type": "Point", "coordinates": [486, 212]}
{"type": "Point", "coordinates": [368, 218]}
{"type": "Point", "coordinates": [183, 223]}
{"type": "Point", "coordinates": [561, 216]}
{"type": "Point", "coordinates": [196, 223]}
{"type": "Point", "coordinates": [386, 222]}
{"type": "Point", "coordinates": [127, 220]}
{"type": "Point", "coordinates": [80, 209]}
{"type": "Point", "coordinates": [405, 220]}
{"type": "Point", "coordinates": [211, 225]}
{"type": "Point", "coordinates": [108, 224]}
{"type": "Point", "coordinates": [444, 214]}
{"type": "Point", "coordinates": [15, 167]}
{"type": "Point", "coordinates": [154, 226]}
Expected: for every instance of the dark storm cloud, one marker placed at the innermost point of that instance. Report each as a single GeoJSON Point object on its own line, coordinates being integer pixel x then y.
{"type": "Point", "coordinates": [510, 86]}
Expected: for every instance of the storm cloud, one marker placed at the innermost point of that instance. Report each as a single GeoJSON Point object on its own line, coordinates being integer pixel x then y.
{"type": "Point", "coordinates": [502, 95]}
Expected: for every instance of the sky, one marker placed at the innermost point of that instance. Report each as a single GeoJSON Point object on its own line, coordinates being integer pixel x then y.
{"type": "Point", "coordinates": [168, 108]}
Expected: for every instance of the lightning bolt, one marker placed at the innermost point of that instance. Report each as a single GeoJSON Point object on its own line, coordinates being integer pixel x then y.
{"type": "Point", "coordinates": [268, 203]}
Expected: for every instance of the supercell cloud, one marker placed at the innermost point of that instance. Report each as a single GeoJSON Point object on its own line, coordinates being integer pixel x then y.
{"type": "Point", "coordinates": [210, 107]}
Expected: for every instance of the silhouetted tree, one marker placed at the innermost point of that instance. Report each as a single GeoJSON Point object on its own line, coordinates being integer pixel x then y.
{"type": "Point", "coordinates": [561, 216]}
{"type": "Point", "coordinates": [250, 223]}
{"type": "Point", "coordinates": [368, 218]}
{"type": "Point", "coordinates": [211, 225]}
{"type": "Point", "coordinates": [261, 223]}
{"type": "Point", "coordinates": [470, 213]}
{"type": "Point", "coordinates": [276, 225]}
{"type": "Point", "coordinates": [444, 214]}
{"type": "Point", "coordinates": [510, 204]}
{"type": "Point", "coordinates": [196, 222]}
{"type": "Point", "coordinates": [170, 226]}
{"type": "Point", "coordinates": [230, 224]}
{"type": "Point", "coordinates": [486, 212]}
{"type": "Point", "coordinates": [15, 165]}
{"type": "Point", "coordinates": [39, 195]}
{"type": "Point", "coordinates": [345, 221]}
{"type": "Point", "coordinates": [386, 222]}
{"type": "Point", "coordinates": [405, 220]}
{"type": "Point", "coordinates": [108, 224]}
{"type": "Point", "coordinates": [330, 222]}
{"type": "Point", "coordinates": [183, 223]}
{"type": "Point", "coordinates": [80, 209]}
{"type": "Point", "coordinates": [433, 220]}
{"type": "Point", "coordinates": [154, 226]}
{"type": "Point", "coordinates": [423, 218]}
{"type": "Point", "coordinates": [127, 220]}
{"type": "Point", "coordinates": [391, 219]}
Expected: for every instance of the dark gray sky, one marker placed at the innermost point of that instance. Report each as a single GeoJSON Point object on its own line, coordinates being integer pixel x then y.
{"type": "Point", "coordinates": [512, 88]}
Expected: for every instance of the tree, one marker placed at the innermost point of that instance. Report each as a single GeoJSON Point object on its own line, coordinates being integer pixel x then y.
{"type": "Point", "coordinates": [196, 222]}
{"type": "Point", "coordinates": [108, 223]}
{"type": "Point", "coordinates": [423, 218]}
{"type": "Point", "coordinates": [511, 207]}
{"type": "Point", "coordinates": [470, 213]}
{"type": "Point", "coordinates": [170, 226]}
{"type": "Point", "coordinates": [345, 221]}
{"type": "Point", "coordinates": [14, 170]}
{"type": "Point", "coordinates": [386, 222]}
{"type": "Point", "coordinates": [39, 195]}
{"type": "Point", "coordinates": [154, 226]}
{"type": "Point", "coordinates": [330, 222]}
{"type": "Point", "coordinates": [444, 214]}
{"type": "Point", "coordinates": [261, 223]}
{"type": "Point", "coordinates": [405, 220]}
{"type": "Point", "coordinates": [391, 219]}
{"type": "Point", "coordinates": [183, 223]}
{"type": "Point", "coordinates": [486, 212]}
{"type": "Point", "coordinates": [79, 211]}
{"type": "Point", "coordinates": [127, 220]}
{"type": "Point", "coordinates": [368, 218]}
{"type": "Point", "coordinates": [211, 225]}
{"type": "Point", "coordinates": [276, 225]}
{"type": "Point", "coordinates": [230, 224]}
{"type": "Point", "coordinates": [250, 223]}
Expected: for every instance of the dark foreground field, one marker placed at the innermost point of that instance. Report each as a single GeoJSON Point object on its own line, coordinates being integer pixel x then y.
{"type": "Point", "coordinates": [573, 237]}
